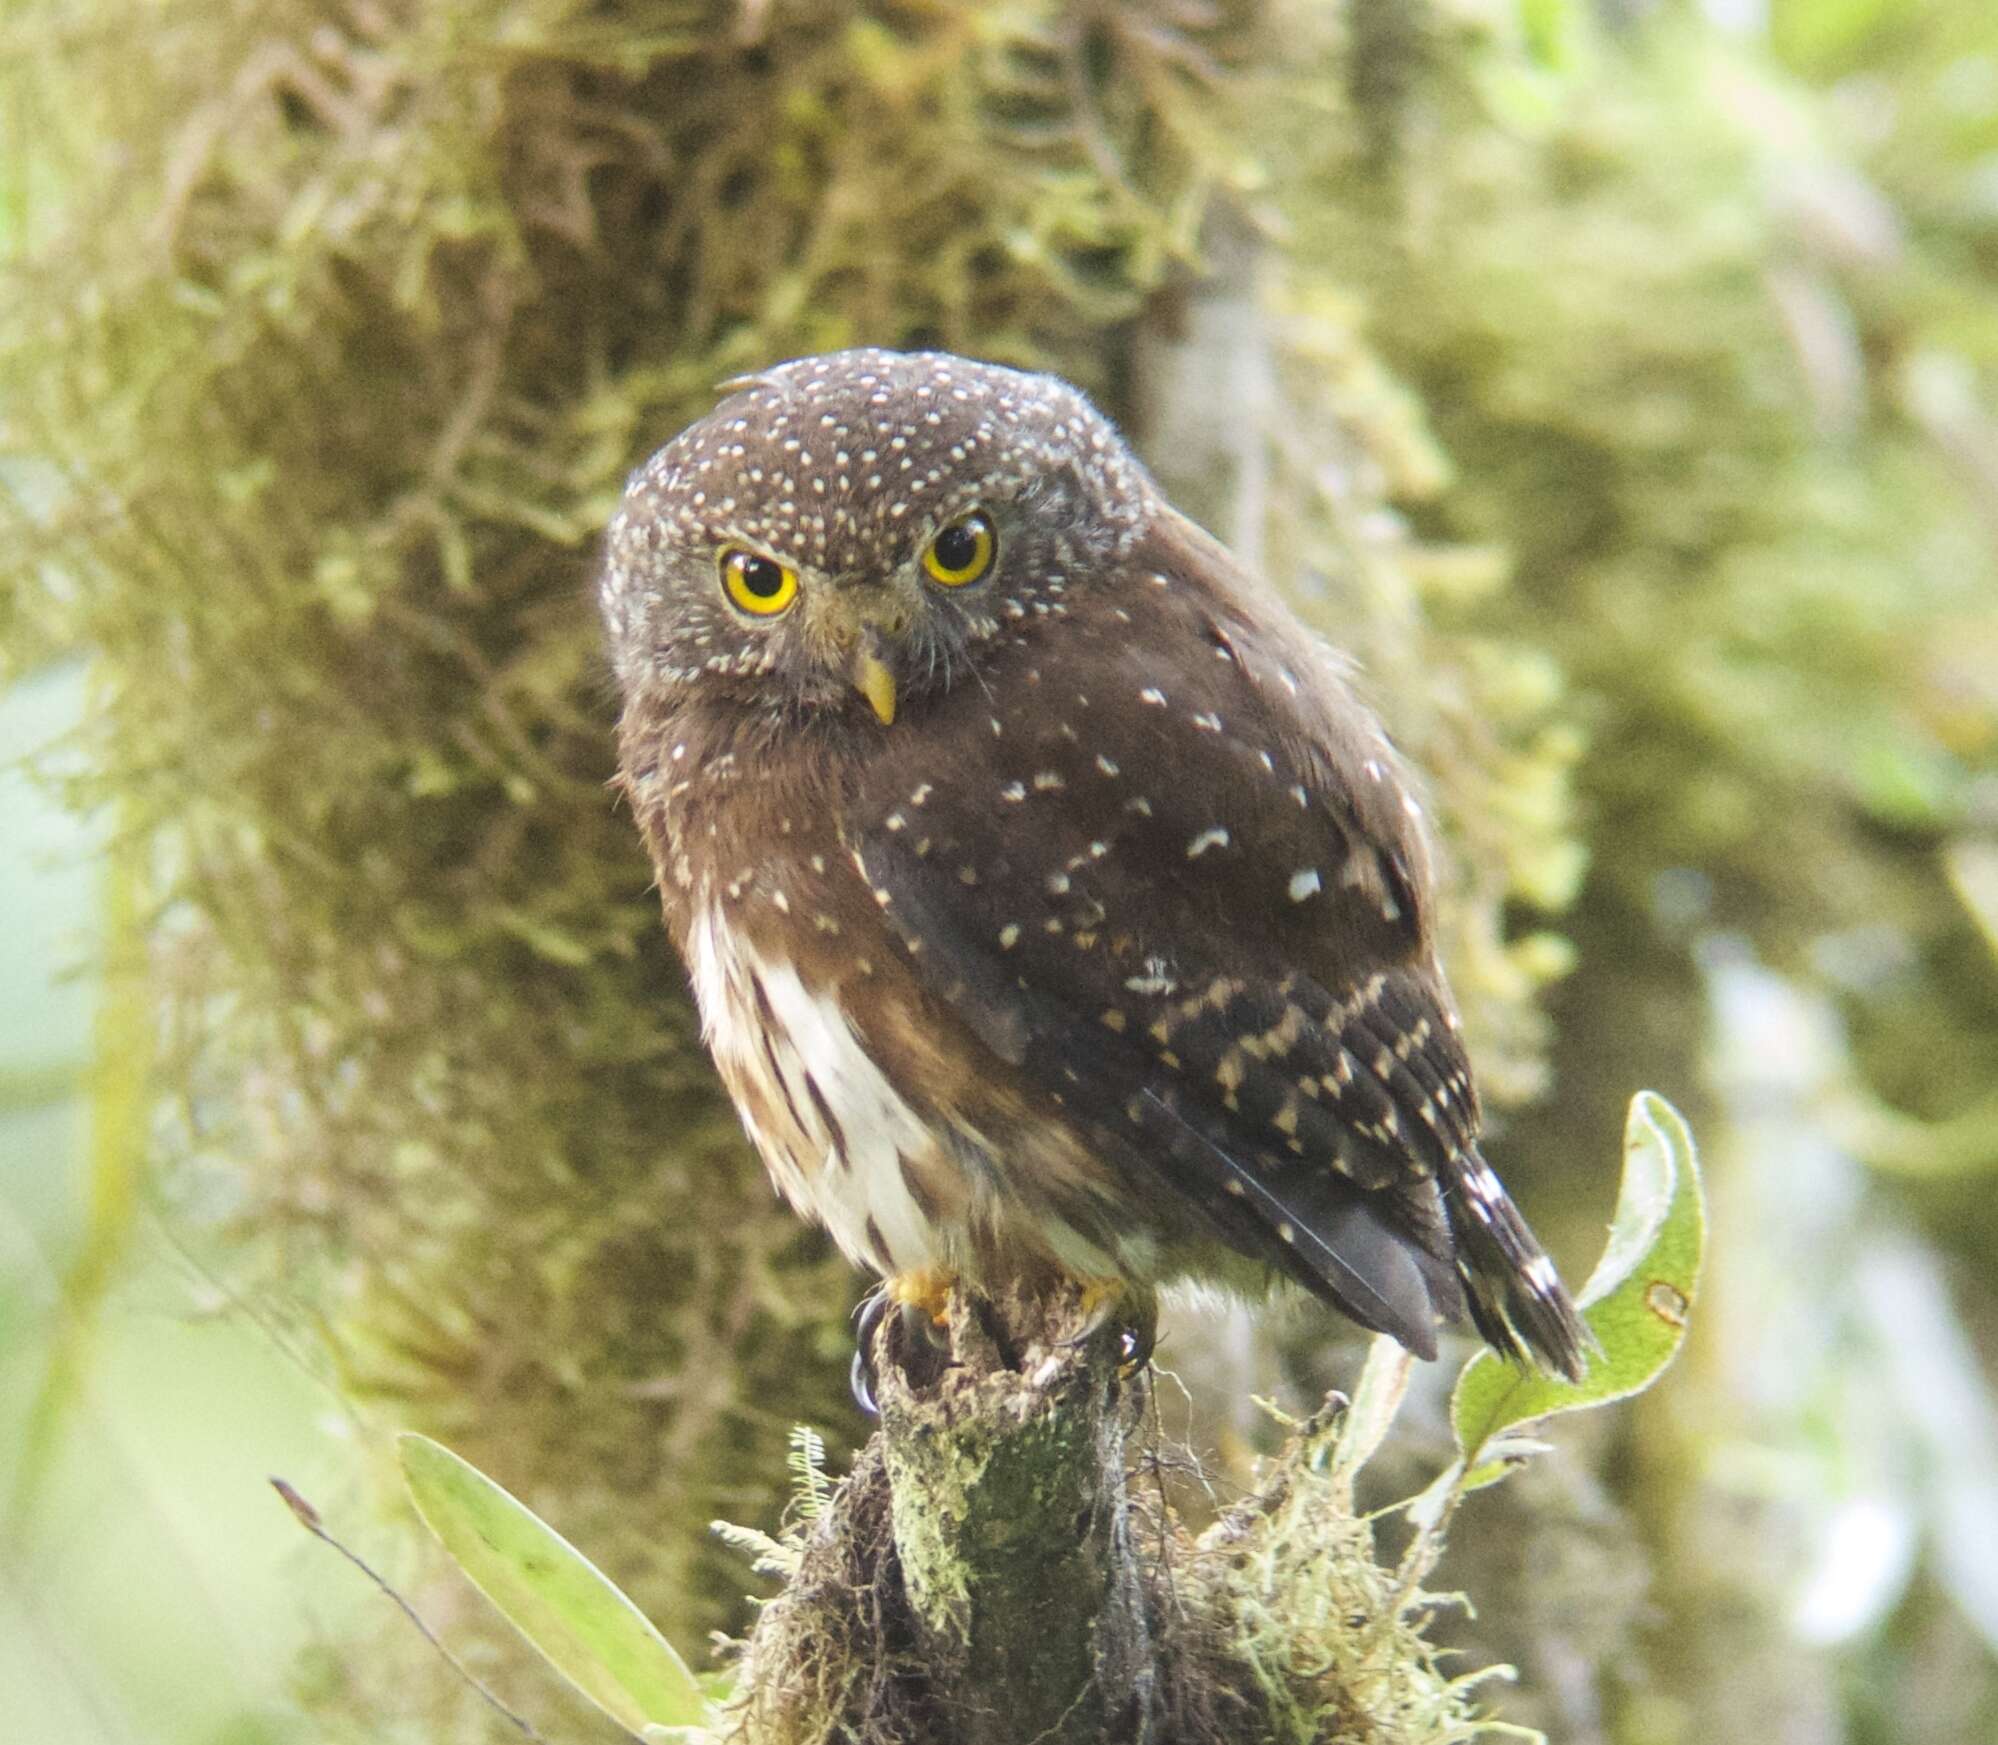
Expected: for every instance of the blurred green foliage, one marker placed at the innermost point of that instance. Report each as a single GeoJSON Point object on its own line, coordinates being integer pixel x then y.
{"type": "Point", "coordinates": [142, 1580]}
{"type": "Point", "coordinates": [1626, 403]}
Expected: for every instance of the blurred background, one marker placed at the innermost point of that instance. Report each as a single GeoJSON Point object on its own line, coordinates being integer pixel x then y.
{"type": "Point", "coordinates": [1617, 379]}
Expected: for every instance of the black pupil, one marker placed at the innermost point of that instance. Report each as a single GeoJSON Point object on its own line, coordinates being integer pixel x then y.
{"type": "Point", "coordinates": [957, 547]}
{"type": "Point", "coordinates": [762, 578]}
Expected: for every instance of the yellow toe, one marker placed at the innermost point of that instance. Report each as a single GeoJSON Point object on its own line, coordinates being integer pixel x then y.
{"type": "Point", "coordinates": [1102, 1295]}
{"type": "Point", "coordinates": [927, 1288]}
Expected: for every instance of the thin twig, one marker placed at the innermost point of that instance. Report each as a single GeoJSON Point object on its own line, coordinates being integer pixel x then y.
{"type": "Point", "coordinates": [308, 1518]}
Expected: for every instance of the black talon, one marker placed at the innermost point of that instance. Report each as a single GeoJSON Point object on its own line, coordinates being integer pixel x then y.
{"type": "Point", "coordinates": [920, 1331]}
{"type": "Point", "coordinates": [1138, 1345]}
{"type": "Point", "coordinates": [1137, 1339]}
{"type": "Point", "coordinates": [860, 1378]}
{"type": "Point", "coordinates": [1099, 1318]}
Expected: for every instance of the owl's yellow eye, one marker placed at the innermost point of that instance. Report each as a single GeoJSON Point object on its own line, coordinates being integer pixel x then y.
{"type": "Point", "coordinates": [756, 583]}
{"type": "Point", "coordinates": [961, 553]}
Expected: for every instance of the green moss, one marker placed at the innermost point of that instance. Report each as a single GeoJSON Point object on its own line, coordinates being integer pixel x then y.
{"type": "Point", "coordinates": [339, 343]}
{"type": "Point", "coordinates": [1335, 1650]}
{"type": "Point", "coordinates": [1670, 362]}
{"type": "Point", "coordinates": [1009, 1531]}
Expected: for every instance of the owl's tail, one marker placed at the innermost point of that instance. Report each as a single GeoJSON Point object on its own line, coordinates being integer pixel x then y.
{"type": "Point", "coordinates": [1516, 1299]}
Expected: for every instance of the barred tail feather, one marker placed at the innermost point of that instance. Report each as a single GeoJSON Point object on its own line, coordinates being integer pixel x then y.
{"type": "Point", "coordinates": [1516, 1299]}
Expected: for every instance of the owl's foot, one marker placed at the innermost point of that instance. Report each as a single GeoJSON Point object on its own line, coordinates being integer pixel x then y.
{"type": "Point", "coordinates": [923, 1300]}
{"type": "Point", "coordinates": [1132, 1309]}
{"type": "Point", "coordinates": [925, 1291]}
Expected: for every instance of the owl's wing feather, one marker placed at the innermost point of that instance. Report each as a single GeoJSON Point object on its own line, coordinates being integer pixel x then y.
{"type": "Point", "coordinates": [1382, 1263]}
{"type": "Point", "coordinates": [1164, 866]}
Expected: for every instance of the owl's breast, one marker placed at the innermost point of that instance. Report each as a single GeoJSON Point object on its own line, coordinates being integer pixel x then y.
{"type": "Point", "coordinates": [893, 1115]}
{"type": "Point", "coordinates": [841, 1142]}
{"type": "Point", "coordinates": [870, 1122]}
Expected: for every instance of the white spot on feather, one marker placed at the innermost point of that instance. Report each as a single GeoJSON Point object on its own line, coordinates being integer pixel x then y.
{"type": "Point", "coordinates": [811, 1040]}
{"type": "Point", "coordinates": [1157, 978]}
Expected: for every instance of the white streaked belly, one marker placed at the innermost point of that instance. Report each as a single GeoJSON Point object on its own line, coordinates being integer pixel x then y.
{"type": "Point", "coordinates": [796, 1069]}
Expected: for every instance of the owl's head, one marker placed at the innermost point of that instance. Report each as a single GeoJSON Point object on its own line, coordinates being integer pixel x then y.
{"type": "Point", "coordinates": [846, 532]}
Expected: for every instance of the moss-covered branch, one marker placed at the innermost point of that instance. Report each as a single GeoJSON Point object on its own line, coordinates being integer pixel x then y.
{"type": "Point", "coordinates": [993, 1520]}
{"type": "Point", "coordinates": [1012, 1527]}
{"type": "Point", "coordinates": [1003, 1564]}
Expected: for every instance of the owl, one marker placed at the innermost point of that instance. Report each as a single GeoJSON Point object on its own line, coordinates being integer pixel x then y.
{"type": "Point", "coordinates": [1053, 905]}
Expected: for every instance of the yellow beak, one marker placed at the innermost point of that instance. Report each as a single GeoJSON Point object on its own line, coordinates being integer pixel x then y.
{"type": "Point", "coordinates": [873, 680]}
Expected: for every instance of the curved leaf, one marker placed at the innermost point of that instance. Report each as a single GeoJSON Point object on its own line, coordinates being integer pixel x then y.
{"type": "Point", "coordinates": [1637, 1301]}
{"type": "Point", "coordinates": [581, 1622]}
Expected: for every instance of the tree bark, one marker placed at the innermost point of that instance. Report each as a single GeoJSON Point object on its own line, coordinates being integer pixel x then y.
{"type": "Point", "coordinates": [999, 1566]}
{"type": "Point", "coordinates": [976, 1578]}
{"type": "Point", "coordinates": [1012, 1525]}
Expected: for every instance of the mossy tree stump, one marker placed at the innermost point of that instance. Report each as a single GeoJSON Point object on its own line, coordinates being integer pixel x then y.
{"type": "Point", "coordinates": [1002, 1565]}
{"type": "Point", "coordinates": [980, 1566]}
{"type": "Point", "coordinates": [1011, 1518]}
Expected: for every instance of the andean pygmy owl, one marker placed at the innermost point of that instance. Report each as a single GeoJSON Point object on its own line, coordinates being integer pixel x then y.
{"type": "Point", "coordinates": [1052, 903]}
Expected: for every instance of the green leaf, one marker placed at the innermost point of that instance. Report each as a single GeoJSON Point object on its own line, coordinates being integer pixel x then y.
{"type": "Point", "coordinates": [552, 1594]}
{"type": "Point", "coordinates": [1637, 1302]}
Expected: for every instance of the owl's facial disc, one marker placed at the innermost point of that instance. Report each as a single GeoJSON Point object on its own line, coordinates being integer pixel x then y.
{"type": "Point", "coordinates": [960, 555]}
{"type": "Point", "coordinates": [862, 627]}
{"type": "Point", "coordinates": [858, 626]}
{"type": "Point", "coordinates": [852, 628]}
